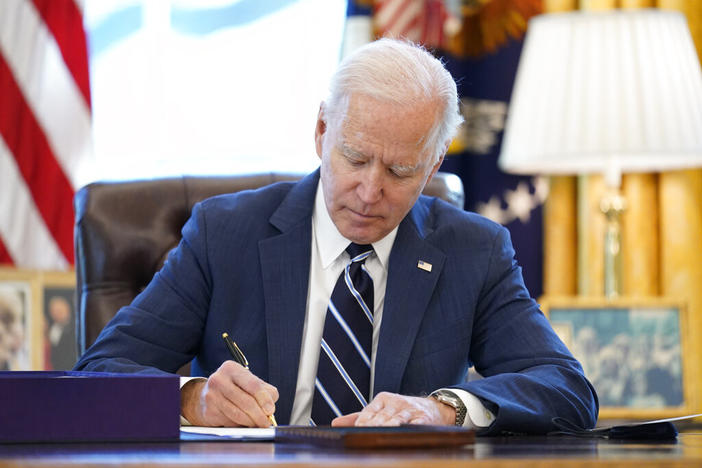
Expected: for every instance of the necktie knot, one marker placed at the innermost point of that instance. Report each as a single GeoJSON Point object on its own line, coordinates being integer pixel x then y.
{"type": "Point", "coordinates": [359, 252]}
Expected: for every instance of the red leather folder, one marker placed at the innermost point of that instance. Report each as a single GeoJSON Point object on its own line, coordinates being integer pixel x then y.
{"type": "Point", "coordinates": [409, 436]}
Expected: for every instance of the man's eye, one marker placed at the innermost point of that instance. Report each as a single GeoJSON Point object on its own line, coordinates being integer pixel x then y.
{"type": "Point", "coordinates": [398, 173]}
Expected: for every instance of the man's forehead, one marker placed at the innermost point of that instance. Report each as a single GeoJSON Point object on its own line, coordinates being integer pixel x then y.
{"type": "Point", "coordinates": [359, 128]}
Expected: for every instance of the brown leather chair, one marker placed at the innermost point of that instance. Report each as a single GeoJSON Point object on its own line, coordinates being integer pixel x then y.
{"type": "Point", "coordinates": [125, 230]}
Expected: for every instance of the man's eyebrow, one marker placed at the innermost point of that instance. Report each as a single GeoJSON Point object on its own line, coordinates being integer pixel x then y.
{"type": "Point", "coordinates": [405, 169]}
{"type": "Point", "coordinates": [348, 151]}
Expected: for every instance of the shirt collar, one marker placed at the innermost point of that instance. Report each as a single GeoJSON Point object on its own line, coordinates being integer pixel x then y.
{"type": "Point", "coordinates": [330, 242]}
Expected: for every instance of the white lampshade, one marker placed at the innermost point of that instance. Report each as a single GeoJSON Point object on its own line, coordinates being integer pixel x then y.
{"type": "Point", "coordinates": [608, 92]}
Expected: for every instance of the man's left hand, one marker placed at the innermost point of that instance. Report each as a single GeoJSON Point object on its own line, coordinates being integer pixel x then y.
{"type": "Point", "coordinates": [391, 409]}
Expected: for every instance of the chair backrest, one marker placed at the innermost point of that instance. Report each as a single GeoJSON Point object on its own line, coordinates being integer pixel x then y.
{"type": "Point", "coordinates": [125, 230]}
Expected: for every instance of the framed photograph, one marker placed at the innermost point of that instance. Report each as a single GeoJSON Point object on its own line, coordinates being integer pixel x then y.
{"type": "Point", "coordinates": [20, 321]}
{"type": "Point", "coordinates": [58, 305]}
{"type": "Point", "coordinates": [634, 351]}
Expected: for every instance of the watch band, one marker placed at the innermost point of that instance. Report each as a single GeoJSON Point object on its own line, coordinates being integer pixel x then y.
{"type": "Point", "coordinates": [449, 398]}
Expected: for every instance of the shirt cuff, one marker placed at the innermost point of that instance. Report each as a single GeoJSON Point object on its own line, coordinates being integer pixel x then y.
{"type": "Point", "coordinates": [183, 381]}
{"type": "Point", "coordinates": [477, 415]}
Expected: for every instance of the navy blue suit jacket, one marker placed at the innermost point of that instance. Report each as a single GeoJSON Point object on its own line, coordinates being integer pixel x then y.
{"type": "Point", "coordinates": [243, 267]}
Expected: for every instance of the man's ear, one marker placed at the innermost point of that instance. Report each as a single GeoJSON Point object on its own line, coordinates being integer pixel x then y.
{"type": "Point", "coordinates": [319, 130]}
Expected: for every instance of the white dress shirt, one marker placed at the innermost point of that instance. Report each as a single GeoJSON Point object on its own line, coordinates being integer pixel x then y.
{"type": "Point", "coordinates": [327, 261]}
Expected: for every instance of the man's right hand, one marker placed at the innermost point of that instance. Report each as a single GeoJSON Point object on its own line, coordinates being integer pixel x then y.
{"type": "Point", "coordinates": [231, 397]}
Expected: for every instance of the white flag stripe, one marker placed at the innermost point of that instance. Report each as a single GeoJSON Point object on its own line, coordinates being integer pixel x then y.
{"type": "Point", "coordinates": [387, 11]}
{"type": "Point", "coordinates": [402, 25]}
{"type": "Point", "coordinates": [35, 59]}
{"type": "Point", "coordinates": [22, 227]}
{"type": "Point", "coordinates": [414, 34]}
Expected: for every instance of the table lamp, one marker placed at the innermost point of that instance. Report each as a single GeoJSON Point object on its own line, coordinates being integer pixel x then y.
{"type": "Point", "coordinates": [608, 93]}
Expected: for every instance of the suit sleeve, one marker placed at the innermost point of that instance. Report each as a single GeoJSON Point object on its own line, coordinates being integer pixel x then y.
{"type": "Point", "coordinates": [161, 329]}
{"type": "Point", "coordinates": [530, 377]}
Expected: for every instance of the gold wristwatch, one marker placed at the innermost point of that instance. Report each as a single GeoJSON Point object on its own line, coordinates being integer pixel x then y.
{"type": "Point", "coordinates": [449, 398]}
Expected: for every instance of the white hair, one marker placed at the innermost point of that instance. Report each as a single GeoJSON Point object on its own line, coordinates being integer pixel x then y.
{"type": "Point", "coordinates": [403, 73]}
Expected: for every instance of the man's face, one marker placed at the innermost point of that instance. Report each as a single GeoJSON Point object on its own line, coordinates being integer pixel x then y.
{"type": "Point", "coordinates": [59, 310]}
{"type": "Point", "coordinates": [373, 165]}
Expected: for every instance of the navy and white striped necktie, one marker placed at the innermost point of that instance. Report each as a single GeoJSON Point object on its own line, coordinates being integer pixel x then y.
{"type": "Point", "coordinates": [343, 375]}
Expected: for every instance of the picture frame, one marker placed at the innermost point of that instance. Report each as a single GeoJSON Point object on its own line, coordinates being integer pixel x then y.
{"type": "Point", "coordinates": [634, 351]}
{"type": "Point", "coordinates": [57, 299]}
{"type": "Point", "coordinates": [21, 342]}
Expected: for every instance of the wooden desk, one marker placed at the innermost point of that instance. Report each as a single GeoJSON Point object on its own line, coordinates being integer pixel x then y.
{"type": "Point", "coordinates": [497, 452]}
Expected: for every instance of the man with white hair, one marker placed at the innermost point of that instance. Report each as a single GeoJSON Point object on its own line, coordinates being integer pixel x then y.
{"type": "Point", "coordinates": [13, 356]}
{"type": "Point", "coordinates": [356, 300]}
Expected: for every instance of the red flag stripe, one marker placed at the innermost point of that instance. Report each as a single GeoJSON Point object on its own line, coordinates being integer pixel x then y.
{"type": "Point", "coordinates": [5, 258]}
{"type": "Point", "coordinates": [49, 186]}
{"type": "Point", "coordinates": [427, 25]}
{"type": "Point", "coordinates": [65, 21]}
{"type": "Point", "coordinates": [437, 16]}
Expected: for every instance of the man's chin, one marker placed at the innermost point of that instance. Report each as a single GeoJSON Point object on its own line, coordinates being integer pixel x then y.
{"type": "Point", "coordinates": [363, 237]}
{"type": "Point", "coordinates": [363, 231]}
{"type": "Point", "coordinates": [360, 234]}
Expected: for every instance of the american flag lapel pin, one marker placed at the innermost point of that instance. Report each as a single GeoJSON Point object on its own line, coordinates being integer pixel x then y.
{"type": "Point", "coordinates": [424, 266]}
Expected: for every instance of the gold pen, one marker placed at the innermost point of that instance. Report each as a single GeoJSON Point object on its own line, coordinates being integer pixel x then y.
{"type": "Point", "coordinates": [239, 357]}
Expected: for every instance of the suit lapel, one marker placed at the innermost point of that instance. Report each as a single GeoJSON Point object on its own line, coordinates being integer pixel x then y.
{"type": "Point", "coordinates": [285, 266]}
{"type": "Point", "coordinates": [409, 289]}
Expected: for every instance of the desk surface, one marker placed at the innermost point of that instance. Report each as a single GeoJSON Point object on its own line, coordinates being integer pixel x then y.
{"type": "Point", "coordinates": [557, 452]}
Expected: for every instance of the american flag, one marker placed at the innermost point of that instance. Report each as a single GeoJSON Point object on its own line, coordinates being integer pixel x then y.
{"type": "Point", "coordinates": [422, 21]}
{"type": "Point", "coordinates": [45, 129]}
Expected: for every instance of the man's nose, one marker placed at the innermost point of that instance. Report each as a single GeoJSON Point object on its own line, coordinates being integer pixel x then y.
{"type": "Point", "coordinates": [370, 188]}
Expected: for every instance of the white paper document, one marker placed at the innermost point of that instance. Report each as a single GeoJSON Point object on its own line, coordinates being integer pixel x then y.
{"type": "Point", "coordinates": [235, 433]}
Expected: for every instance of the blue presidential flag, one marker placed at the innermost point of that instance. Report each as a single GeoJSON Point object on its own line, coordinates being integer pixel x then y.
{"type": "Point", "coordinates": [483, 59]}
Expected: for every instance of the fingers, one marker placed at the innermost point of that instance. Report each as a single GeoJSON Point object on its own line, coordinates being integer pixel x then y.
{"type": "Point", "coordinates": [233, 396]}
{"type": "Point", "coordinates": [384, 410]}
{"type": "Point", "coordinates": [390, 409]}
{"type": "Point", "coordinates": [347, 420]}
{"type": "Point", "coordinates": [264, 394]}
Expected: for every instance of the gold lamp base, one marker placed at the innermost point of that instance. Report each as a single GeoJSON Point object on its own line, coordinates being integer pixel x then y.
{"type": "Point", "coordinates": [613, 205]}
